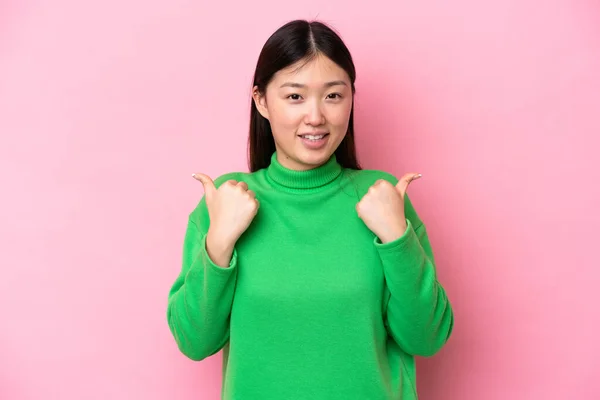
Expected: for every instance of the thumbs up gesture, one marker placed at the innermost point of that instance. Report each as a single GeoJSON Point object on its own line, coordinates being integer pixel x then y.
{"type": "Point", "coordinates": [382, 208]}
{"type": "Point", "coordinates": [231, 209]}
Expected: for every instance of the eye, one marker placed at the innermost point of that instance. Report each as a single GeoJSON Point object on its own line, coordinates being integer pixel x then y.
{"type": "Point", "coordinates": [334, 96]}
{"type": "Point", "coordinates": [294, 96]}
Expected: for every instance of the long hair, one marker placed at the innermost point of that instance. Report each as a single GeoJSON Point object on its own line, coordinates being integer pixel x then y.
{"type": "Point", "coordinates": [297, 40]}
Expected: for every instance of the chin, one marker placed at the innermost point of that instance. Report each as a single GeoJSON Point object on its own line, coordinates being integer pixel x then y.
{"type": "Point", "coordinates": [315, 158]}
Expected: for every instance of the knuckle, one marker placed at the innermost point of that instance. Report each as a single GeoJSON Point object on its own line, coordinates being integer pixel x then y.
{"type": "Point", "coordinates": [228, 185]}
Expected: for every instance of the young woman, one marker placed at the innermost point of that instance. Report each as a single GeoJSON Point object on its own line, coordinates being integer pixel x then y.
{"type": "Point", "coordinates": [327, 290]}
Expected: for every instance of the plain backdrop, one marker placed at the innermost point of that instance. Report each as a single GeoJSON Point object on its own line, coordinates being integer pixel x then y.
{"type": "Point", "coordinates": [106, 108]}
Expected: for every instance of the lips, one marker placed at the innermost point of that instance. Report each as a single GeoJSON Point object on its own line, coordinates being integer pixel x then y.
{"type": "Point", "coordinates": [313, 134]}
{"type": "Point", "coordinates": [314, 141]}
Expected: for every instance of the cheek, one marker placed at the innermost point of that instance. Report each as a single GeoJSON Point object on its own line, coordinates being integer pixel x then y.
{"type": "Point", "coordinates": [283, 115]}
{"type": "Point", "coordinates": [339, 116]}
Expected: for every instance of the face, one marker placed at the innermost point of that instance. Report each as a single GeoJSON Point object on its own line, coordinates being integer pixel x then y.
{"type": "Point", "coordinates": [308, 107]}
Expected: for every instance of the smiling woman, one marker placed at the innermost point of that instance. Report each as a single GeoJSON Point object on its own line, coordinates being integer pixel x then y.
{"type": "Point", "coordinates": [309, 105]}
{"type": "Point", "coordinates": [298, 311]}
{"type": "Point", "coordinates": [303, 85]}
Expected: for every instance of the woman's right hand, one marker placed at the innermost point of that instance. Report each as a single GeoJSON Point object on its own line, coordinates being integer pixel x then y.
{"type": "Point", "coordinates": [231, 209]}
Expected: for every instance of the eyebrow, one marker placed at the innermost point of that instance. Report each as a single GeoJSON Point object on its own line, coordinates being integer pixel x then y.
{"type": "Point", "coordinates": [300, 85]}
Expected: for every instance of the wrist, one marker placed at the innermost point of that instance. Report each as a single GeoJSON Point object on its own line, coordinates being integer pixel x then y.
{"type": "Point", "coordinates": [394, 234]}
{"type": "Point", "coordinates": [219, 249]}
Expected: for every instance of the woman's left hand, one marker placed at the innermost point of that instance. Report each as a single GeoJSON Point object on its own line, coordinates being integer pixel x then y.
{"type": "Point", "coordinates": [382, 208]}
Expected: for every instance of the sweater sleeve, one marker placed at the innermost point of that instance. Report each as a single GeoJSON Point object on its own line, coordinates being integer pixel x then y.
{"type": "Point", "coordinates": [418, 315]}
{"type": "Point", "coordinates": [199, 302]}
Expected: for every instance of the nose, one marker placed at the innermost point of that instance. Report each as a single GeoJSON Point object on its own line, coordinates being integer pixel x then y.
{"type": "Point", "coordinates": [314, 116]}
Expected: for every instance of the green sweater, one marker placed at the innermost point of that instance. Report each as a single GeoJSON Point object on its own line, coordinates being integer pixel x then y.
{"type": "Point", "coordinates": [313, 306]}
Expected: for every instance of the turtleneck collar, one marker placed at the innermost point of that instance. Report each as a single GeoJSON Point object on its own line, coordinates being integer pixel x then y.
{"type": "Point", "coordinates": [309, 179]}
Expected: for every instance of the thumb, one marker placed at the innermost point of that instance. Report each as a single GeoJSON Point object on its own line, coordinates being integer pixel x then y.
{"type": "Point", "coordinates": [403, 183]}
{"type": "Point", "coordinates": [207, 183]}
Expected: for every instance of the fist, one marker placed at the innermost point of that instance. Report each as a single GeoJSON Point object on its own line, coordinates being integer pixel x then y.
{"type": "Point", "coordinates": [231, 208]}
{"type": "Point", "coordinates": [382, 208]}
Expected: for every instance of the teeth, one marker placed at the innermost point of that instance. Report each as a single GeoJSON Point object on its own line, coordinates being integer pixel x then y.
{"type": "Point", "coordinates": [312, 137]}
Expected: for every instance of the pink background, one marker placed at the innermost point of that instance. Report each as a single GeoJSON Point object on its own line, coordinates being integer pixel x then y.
{"type": "Point", "coordinates": [106, 108]}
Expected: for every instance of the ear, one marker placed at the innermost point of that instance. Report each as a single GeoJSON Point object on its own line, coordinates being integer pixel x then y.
{"type": "Point", "coordinates": [260, 100]}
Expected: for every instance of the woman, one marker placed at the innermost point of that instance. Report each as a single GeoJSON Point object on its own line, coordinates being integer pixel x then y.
{"type": "Point", "coordinates": [329, 290]}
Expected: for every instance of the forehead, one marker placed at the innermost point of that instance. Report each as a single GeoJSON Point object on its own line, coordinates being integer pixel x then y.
{"type": "Point", "coordinates": [314, 72]}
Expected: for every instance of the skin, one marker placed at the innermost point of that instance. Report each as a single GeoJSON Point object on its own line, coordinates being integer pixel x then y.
{"type": "Point", "coordinates": [304, 98]}
{"type": "Point", "coordinates": [382, 208]}
{"type": "Point", "coordinates": [311, 97]}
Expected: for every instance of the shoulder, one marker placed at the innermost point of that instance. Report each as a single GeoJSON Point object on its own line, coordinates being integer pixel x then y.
{"type": "Point", "coordinates": [364, 179]}
{"type": "Point", "coordinates": [235, 176]}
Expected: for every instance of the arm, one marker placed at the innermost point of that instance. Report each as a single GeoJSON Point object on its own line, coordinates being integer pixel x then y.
{"type": "Point", "coordinates": [418, 315]}
{"type": "Point", "coordinates": [200, 300]}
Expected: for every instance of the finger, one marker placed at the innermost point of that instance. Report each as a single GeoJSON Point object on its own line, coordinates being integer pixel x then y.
{"type": "Point", "coordinates": [358, 209]}
{"type": "Point", "coordinates": [243, 185]}
{"type": "Point", "coordinates": [207, 183]}
{"type": "Point", "coordinates": [403, 183]}
{"type": "Point", "coordinates": [251, 193]}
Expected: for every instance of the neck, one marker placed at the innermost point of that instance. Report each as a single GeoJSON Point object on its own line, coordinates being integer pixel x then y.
{"type": "Point", "coordinates": [314, 178]}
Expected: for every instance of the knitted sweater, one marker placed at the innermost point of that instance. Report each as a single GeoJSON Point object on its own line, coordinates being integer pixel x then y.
{"type": "Point", "coordinates": [313, 305]}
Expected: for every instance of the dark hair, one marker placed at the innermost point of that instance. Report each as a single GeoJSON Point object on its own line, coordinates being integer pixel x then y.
{"type": "Point", "coordinates": [297, 40]}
